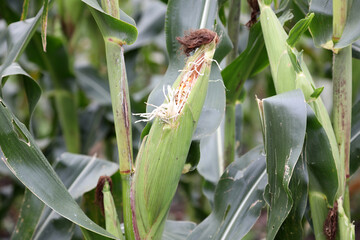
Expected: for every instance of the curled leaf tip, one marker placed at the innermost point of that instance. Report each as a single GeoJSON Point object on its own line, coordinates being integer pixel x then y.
{"type": "Point", "coordinates": [99, 196]}
{"type": "Point", "coordinates": [196, 38]}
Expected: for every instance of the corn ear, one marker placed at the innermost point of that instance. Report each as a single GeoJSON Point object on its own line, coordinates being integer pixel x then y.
{"type": "Point", "coordinates": [164, 150]}
{"type": "Point", "coordinates": [290, 72]}
{"type": "Point", "coordinates": [111, 218]}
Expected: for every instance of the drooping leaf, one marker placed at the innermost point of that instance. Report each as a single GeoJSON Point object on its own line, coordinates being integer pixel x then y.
{"type": "Point", "coordinates": [284, 121]}
{"type": "Point", "coordinates": [22, 156]}
{"type": "Point", "coordinates": [122, 31]}
{"type": "Point", "coordinates": [238, 199]}
{"type": "Point", "coordinates": [79, 173]}
{"type": "Point", "coordinates": [18, 36]}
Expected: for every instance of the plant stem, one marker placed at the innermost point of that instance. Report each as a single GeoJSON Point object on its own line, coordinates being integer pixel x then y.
{"type": "Point", "coordinates": [121, 109]}
{"type": "Point", "coordinates": [119, 92]}
{"type": "Point", "coordinates": [233, 26]}
{"type": "Point", "coordinates": [342, 100]}
{"type": "Point", "coordinates": [127, 213]}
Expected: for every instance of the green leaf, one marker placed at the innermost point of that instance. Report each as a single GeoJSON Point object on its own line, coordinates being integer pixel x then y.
{"type": "Point", "coordinates": [240, 69]}
{"type": "Point", "coordinates": [79, 173]}
{"type": "Point", "coordinates": [183, 16]}
{"type": "Point", "coordinates": [238, 199]}
{"type": "Point", "coordinates": [19, 152]}
{"type": "Point", "coordinates": [299, 28]}
{"type": "Point", "coordinates": [284, 118]}
{"type": "Point", "coordinates": [177, 230]}
{"type": "Point", "coordinates": [121, 31]}
{"type": "Point", "coordinates": [292, 228]}
{"type": "Point", "coordinates": [32, 89]}
{"type": "Point", "coordinates": [30, 213]}
{"type": "Point", "coordinates": [321, 27]}
{"type": "Point", "coordinates": [323, 178]}
{"type": "Point", "coordinates": [317, 92]}
{"type": "Point", "coordinates": [18, 36]}
{"type": "Point", "coordinates": [355, 139]}
{"type": "Point", "coordinates": [351, 31]}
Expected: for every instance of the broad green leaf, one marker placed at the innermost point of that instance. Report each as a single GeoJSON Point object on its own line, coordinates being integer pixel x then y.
{"type": "Point", "coordinates": [351, 31]}
{"type": "Point", "coordinates": [355, 139]}
{"type": "Point", "coordinates": [284, 121]}
{"type": "Point", "coordinates": [299, 28]}
{"type": "Point", "coordinates": [18, 36]}
{"type": "Point", "coordinates": [183, 16]}
{"type": "Point", "coordinates": [238, 199]}
{"type": "Point", "coordinates": [177, 230]}
{"type": "Point", "coordinates": [321, 27]}
{"type": "Point", "coordinates": [122, 31]}
{"type": "Point", "coordinates": [292, 228]}
{"type": "Point", "coordinates": [21, 155]}
{"type": "Point", "coordinates": [79, 173]}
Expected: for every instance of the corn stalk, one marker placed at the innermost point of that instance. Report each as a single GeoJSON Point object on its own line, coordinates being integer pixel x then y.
{"type": "Point", "coordinates": [342, 103]}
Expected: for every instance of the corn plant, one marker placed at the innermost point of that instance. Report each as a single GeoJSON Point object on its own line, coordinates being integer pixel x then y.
{"type": "Point", "coordinates": [225, 120]}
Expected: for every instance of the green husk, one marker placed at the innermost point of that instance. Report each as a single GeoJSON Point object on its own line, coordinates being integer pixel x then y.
{"type": "Point", "coordinates": [111, 218]}
{"type": "Point", "coordinates": [163, 153]}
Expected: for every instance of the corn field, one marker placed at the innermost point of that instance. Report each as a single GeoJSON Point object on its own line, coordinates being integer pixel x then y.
{"type": "Point", "coordinates": [179, 120]}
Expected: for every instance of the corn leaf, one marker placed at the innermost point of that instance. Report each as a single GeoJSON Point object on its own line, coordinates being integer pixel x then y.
{"type": "Point", "coordinates": [18, 36]}
{"type": "Point", "coordinates": [122, 31]}
{"type": "Point", "coordinates": [299, 28]}
{"type": "Point", "coordinates": [321, 27]}
{"type": "Point", "coordinates": [284, 121]}
{"type": "Point", "coordinates": [19, 152]}
{"type": "Point", "coordinates": [238, 199]}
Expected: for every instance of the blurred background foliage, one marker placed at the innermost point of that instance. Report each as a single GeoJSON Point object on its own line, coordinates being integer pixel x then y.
{"type": "Point", "coordinates": [74, 67]}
